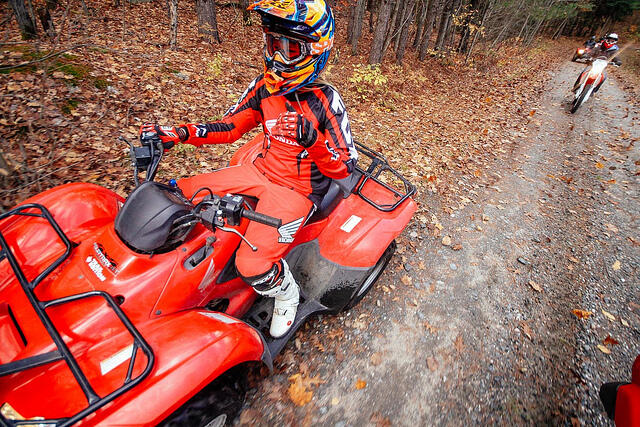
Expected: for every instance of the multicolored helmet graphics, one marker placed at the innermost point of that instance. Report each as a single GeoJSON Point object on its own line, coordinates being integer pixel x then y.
{"type": "Point", "coordinates": [298, 41]}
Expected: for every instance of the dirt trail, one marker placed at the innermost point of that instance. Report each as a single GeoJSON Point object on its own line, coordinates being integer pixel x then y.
{"type": "Point", "coordinates": [486, 333]}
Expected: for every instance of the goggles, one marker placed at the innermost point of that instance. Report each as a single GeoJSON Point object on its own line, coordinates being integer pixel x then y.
{"type": "Point", "coordinates": [291, 50]}
{"type": "Point", "coordinates": [611, 41]}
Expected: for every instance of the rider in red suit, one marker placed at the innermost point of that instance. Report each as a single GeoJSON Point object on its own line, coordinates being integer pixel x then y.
{"type": "Point", "coordinates": [307, 142]}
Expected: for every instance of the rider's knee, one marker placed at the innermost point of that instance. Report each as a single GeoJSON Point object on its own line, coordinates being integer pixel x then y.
{"type": "Point", "coordinates": [259, 277]}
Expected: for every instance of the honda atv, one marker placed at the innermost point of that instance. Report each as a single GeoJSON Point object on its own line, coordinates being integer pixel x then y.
{"type": "Point", "coordinates": [131, 312]}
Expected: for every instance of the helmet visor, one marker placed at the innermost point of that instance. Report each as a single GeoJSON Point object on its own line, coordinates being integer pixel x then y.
{"type": "Point", "coordinates": [291, 50]}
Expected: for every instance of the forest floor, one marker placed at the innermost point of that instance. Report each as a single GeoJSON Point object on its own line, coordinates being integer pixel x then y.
{"type": "Point", "coordinates": [451, 334]}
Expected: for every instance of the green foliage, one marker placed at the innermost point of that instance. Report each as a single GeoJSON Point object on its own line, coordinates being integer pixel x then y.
{"type": "Point", "coordinates": [69, 105]}
{"type": "Point", "coordinates": [101, 83]}
{"type": "Point", "coordinates": [214, 67]}
{"type": "Point", "coordinates": [615, 9]}
{"type": "Point", "coordinates": [368, 79]}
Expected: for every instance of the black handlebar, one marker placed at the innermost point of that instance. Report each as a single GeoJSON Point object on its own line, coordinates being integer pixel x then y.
{"type": "Point", "coordinates": [262, 218]}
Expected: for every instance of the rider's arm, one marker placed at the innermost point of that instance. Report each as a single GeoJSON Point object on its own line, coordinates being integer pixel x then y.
{"type": "Point", "coordinates": [238, 120]}
{"type": "Point", "coordinates": [334, 152]}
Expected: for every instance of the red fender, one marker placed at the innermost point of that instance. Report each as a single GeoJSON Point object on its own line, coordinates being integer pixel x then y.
{"type": "Point", "coordinates": [191, 349]}
{"type": "Point", "coordinates": [627, 413]}
{"type": "Point", "coordinates": [78, 208]}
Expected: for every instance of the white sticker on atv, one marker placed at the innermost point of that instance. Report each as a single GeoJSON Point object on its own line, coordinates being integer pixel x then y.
{"type": "Point", "coordinates": [351, 223]}
{"type": "Point", "coordinates": [289, 230]}
{"type": "Point", "coordinates": [95, 266]}
{"type": "Point", "coordinates": [117, 359]}
{"type": "Point", "coordinates": [224, 319]}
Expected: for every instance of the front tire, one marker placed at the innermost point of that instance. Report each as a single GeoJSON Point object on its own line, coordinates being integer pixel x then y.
{"type": "Point", "coordinates": [580, 99]}
{"type": "Point", "coordinates": [216, 405]}
{"type": "Point", "coordinates": [373, 276]}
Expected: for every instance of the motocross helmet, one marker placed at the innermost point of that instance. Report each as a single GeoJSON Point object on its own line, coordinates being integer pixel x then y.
{"type": "Point", "coordinates": [298, 37]}
{"type": "Point", "coordinates": [610, 40]}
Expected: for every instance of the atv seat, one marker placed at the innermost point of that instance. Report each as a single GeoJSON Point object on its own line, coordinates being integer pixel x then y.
{"type": "Point", "coordinates": [338, 189]}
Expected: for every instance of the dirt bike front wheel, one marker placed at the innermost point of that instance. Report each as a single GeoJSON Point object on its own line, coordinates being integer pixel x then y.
{"type": "Point", "coordinates": [577, 102]}
{"type": "Point", "coordinates": [373, 276]}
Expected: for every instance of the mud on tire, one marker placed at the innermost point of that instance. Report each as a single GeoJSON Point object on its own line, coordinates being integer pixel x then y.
{"type": "Point", "coordinates": [217, 404]}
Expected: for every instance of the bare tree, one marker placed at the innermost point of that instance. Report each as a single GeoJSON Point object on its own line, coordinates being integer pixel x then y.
{"type": "Point", "coordinates": [207, 21]}
{"type": "Point", "coordinates": [173, 23]}
{"type": "Point", "coordinates": [25, 21]}
{"type": "Point", "coordinates": [355, 26]}
{"type": "Point", "coordinates": [380, 32]}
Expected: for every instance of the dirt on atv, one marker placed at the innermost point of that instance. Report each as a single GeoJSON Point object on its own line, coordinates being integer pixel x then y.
{"type": "Point", "coordinates": [526, 302]}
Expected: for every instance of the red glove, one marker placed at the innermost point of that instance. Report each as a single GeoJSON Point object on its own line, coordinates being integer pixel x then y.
{"type": "Point", "coordinates": [169, 135]}
{"type": "Point", "coordinates": [296, 127]}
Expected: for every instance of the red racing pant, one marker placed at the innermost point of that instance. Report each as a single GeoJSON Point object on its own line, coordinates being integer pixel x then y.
{"type": "Point", "coordinates": [273, 199]}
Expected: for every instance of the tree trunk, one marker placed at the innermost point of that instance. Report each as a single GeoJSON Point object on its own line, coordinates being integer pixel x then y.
{"type": "Point", "coordinates": [380, 32]}
{"type": "Point", "coordinates": [25, 21]}
{"type": "Point", "coordinates": [420, 22]}
{"type": "Point", "coordinates": [44, 13]}
{"type": "Point", "coordinates": [404, 32]}
{"type": "Point", "coordinates": [356, 25]}
{"type": "Point", "coordinates": [173, 24]}
{"type": "Point", "coordinates": [457, 6]}
{"type": "Point", "coordinates": [432, 13]}
{"type": "Point", "coordinates": [485, 16]}
{"type": "Point", "coordinates": [246, 15]}
{"type": "Point", "coordinates": [207, 22]}
{"type": "Point", "coordinates": [445, 21]}
{"type": "Point", "coordinates": [372, 7]}
{"type": "Point", "coordinates": [394, 24]}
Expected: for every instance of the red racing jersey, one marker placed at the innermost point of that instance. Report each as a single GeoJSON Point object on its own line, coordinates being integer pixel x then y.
{"type": "Point", "coordinates": [284, 162]}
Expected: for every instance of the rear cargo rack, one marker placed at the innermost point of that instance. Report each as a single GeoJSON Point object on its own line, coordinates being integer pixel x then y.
{"type": "Point", "coordinates": [378, 166]}
{"type": "Point", "coordinates": [63, 353]}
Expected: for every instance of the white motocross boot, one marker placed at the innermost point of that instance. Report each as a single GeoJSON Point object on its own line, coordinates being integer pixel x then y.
{"type": "Point", "coordinates": [287, 297]}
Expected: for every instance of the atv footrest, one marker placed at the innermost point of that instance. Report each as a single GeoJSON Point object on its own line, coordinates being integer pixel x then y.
{"type": "Point", "coordinates": [260, 318]}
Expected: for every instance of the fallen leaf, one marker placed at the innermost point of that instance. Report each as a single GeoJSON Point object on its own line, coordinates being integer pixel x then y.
{"type": "Point", "coordinates": [624, 322]}
{"type": "Point", "coordinates": [457, 247]}
{"type": "Point", "coordinates": [573, 260]}
{"type": "Point", "coordinates": [599, 165]}
{"type": "Point", "coordinates": [335, 401]}
{"type": "Point", "coordinates": [604, 349]}
{"type": "Point", "coordinates": [376, 359]}
{"type": "Point", "coordinates": [298, 393]}
{"type": "Point", "coordinates": [360, 384]}
{"type": "Point", "coordinates": [612, 228]}
{"type": "Point", "coordinates": [406, 280]}
{"type": "Point", "coordinates": [429, 327]}
{"type": "Point", "coordinates": [446, 240]}
{"type": "Point", "coordinates": [610, 341]}
{"type": "Point", "coordinates": [535, 286]}
{"type": "Point", "coordinates": [609, 316]}
{"type": "Point", "coordinates": [616, 266]}
{"type": "Point", "coordinates": [581, 314]}
{"type": "Point", "coordinates": [459, 344]}
{"type": "Point", "coordinates": [432, 363]}
{"type": "Point", "coordinates": [526, 329]}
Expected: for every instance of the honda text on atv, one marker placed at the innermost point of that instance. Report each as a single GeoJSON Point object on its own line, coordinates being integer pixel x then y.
{"type": "Point", "coordinates": [117, 312]}
{"type": "Point", "coordinates": [589, 81]}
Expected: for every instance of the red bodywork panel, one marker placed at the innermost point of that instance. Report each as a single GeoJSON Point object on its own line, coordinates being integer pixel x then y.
{"type": "Point", "coordinates": [627, 413]}
{"type": "Point", "coordinates": [157, 293]}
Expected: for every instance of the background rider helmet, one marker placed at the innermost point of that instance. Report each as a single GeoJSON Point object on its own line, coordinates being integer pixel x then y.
{"type": "Point", "coordinates": [610, 40]}
{"type": "Point", "coordinates": [298, 40]}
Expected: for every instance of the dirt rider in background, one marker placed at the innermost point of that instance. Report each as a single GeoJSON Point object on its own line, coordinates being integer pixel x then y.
{"type": "Point", "coordinates": [307, 142]}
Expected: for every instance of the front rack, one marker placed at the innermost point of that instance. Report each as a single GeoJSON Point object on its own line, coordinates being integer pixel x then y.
{"type": "Point", "coordinates": [63, 353]}
{"type": "Point", "coordinates": [379, 165]}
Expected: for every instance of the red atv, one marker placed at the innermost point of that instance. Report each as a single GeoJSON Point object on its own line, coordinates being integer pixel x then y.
{"type": "Point", "coordinates": [132, 313]}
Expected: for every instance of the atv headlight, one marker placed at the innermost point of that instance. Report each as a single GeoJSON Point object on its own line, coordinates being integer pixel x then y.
{"type": "Point", "coordinates": [11, 414]}
{"type": "Point", "coordinates": [580, 51]}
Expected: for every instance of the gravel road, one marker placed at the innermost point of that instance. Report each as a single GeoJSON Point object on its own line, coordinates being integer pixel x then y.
{"type": "Point", "coordinates": [486, 333]}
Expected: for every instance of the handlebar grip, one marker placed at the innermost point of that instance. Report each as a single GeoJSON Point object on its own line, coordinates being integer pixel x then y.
{"type": "Point", "coordinates": [262, 218]}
